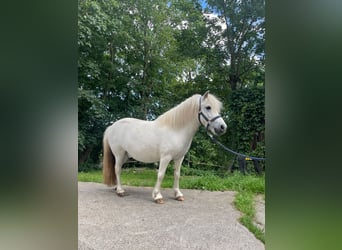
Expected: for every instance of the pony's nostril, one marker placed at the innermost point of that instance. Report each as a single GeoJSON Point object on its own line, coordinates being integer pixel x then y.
{"type": "Point", "coordinates": [223, 127]}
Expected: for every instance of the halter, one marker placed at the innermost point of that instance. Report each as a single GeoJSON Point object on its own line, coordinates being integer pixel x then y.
{"type": "Point", "coordinates": [200, 113]}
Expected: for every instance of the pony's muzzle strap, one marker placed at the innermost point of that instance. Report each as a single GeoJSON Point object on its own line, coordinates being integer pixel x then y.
{"type": "Point", "coordinates": [207, 119]}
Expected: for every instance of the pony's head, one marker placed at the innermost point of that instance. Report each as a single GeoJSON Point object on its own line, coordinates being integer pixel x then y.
{"type": "Point", "coordinates": [209, 114]}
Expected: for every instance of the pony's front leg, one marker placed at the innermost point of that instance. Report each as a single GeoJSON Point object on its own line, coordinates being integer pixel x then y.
{"type": "Point", "coordinates": [177, 165]}
{"type": "Point", "coordinates": [157, 196]}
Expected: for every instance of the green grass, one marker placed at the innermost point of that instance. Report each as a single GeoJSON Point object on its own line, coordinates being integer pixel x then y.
{"type": "Point", "coordinates": [246, 186]}
{"type": "Point", "coordinates": [244, 201]}
{"type": "Point", "coordinates": [147, 177]}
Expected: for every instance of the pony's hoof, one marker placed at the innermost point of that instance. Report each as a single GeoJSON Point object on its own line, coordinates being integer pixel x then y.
{"type": "Point", "coordinates": [121, 194]}
{"type": "Point", "coordinates": [159, 201]}
{"type": "Point", "coordinates": [180, 198]}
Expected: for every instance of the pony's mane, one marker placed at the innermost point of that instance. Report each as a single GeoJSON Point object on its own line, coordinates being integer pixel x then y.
{"type": "Point", "coordinates": [182, 114]}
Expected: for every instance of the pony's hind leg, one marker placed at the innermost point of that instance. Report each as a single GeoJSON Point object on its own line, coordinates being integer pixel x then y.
{"type": "Point", "coordinates": [177, 165]}
{"type": "Point", "coordinates": [121, 158]}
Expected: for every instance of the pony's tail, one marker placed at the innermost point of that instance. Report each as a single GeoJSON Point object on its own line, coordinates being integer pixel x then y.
{"type": "Point", "coordinates": [109, 176]}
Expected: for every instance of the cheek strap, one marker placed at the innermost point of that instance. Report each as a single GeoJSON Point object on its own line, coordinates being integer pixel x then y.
{"type": "Point", "coordinates": [200, 113]}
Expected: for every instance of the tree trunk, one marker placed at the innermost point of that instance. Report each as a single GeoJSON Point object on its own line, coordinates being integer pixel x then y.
{"type": "Point", "coordinates": [85, 155]}
{"type": "Point", "coordinates": [233, 81]}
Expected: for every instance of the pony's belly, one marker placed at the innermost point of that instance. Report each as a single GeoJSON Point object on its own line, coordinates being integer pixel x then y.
{"type": "Point", "coordinates": [143, 151]}
{"type": "Point", "coordinates": [145, 157]}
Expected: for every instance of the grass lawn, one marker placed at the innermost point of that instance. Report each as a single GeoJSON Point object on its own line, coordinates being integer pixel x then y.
{"type": "Point", "coordinates": [247, 186]}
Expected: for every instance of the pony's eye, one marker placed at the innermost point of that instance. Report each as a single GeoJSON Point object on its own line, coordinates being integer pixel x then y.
{"type": "Point", "coordinates": [208, 108]}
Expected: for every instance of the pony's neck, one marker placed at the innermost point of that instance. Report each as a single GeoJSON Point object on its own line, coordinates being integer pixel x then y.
{"type": "Point", "coordinates": [183, 116]}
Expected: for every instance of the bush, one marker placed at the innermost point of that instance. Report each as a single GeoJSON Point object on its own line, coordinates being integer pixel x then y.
{"type": "Point", "coordinates": [247, 121]}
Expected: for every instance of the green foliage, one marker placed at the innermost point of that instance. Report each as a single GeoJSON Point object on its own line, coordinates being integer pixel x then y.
{"type": "Point", "coordinates": [204, 155]}
{"type": "Point", "coordinates": [247, 120]}
{"type": "Point", "coordinates": [91, 124]}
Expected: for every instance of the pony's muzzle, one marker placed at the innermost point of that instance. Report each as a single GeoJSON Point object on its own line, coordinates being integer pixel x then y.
{"type": "Point", "coordinates": [221, 129]}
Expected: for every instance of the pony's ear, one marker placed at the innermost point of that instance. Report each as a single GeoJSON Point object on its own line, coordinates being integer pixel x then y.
{"type": "Point", "coordinates": [205, 94]}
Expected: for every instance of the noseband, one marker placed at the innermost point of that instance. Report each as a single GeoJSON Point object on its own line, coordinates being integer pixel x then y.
{"type": "Point", "coordinates": [200, 113]}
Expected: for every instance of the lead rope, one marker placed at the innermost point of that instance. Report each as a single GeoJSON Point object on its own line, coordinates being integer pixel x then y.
{"type": "Point", "coordinates": [247, 157]}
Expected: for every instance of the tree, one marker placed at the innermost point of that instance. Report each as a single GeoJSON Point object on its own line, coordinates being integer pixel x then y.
{"type": "Point", "coordinates": [238, 37]}
{"type": "Point", "coordinates": [95, 28]}
{"type": "Point", "coordinates": [91, 117]}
